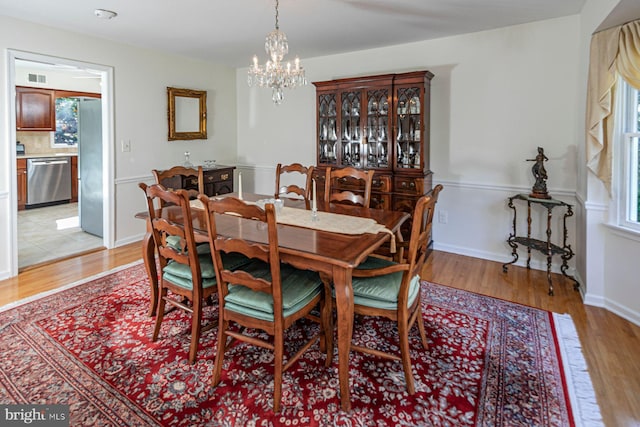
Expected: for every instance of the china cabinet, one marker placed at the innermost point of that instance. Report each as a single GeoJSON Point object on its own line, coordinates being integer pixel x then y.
{"type": "Point", "coordinates": [379, 123]}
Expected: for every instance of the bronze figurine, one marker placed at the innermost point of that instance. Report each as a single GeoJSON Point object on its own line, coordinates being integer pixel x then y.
{"type": "Point", "coordinates": [540, 174]}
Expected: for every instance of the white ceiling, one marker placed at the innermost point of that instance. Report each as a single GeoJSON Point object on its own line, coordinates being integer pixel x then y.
{"type": "Point", "coordinates": [231, 31]}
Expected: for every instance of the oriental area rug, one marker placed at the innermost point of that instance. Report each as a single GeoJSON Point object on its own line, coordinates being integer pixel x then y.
{"type": "Point", "coordinates": [490, 363]}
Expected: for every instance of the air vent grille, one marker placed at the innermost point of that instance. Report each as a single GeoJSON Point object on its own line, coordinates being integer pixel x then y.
{"type": "Point", "coordinates": [37, 78]}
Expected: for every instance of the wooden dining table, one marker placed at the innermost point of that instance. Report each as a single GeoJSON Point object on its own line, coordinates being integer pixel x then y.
{"type": "Point", "coordinates": [330, 253]}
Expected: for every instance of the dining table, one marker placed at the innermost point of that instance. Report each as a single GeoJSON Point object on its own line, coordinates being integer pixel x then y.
{"type": "Point", "coordinates": [333, 254]}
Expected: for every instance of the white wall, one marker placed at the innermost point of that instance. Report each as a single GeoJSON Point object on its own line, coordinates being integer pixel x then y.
{"type": "Point", "coordinates": [141, 77]}
{"type": "Point", "coordinates": [608, 262]}
{"type": "Point", "coordinates": [496, 96]}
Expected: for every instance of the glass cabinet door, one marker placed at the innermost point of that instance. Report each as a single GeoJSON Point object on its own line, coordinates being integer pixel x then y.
{"type": "Point", "coordinates": [327, 129]}
{"type": "Point", "coordinates": [351, 129]}
{"type": "Point", "coordinates": [409, 128]}
{"type": "Point", "coordinates": [377, 129]}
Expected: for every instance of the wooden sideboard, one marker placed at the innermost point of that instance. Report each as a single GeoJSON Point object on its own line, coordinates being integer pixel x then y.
{"type": "Point", "coordinates": [218, 180]}
{"type": "Point", "coordinates": [380, 123]}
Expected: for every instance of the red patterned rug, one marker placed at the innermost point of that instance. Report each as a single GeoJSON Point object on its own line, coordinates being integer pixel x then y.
{"type": "Point", "coordinates": [490, 363]}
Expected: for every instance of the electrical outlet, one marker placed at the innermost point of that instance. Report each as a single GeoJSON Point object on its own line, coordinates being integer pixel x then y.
{"type": "Point", "coordinates": [126, 145]}
{"type": "Point", "coordinates": [443, 217]}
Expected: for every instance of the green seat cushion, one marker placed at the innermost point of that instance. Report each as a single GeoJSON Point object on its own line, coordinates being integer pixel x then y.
{"type": "Point", "coordinates": [298, 288]}
{"type": "Point", "coordinates": [174, 242]}
{"type": "Point", "coordinates": [374, 262]}
{"type": "Point", "coordinates": [184, 271]}
{"type": "Point", "coordinates": [381, 291]}
{"type": "Point", "coordinates": [180, 274]}
{"type": "Point", "coordinates": [201, 248]}
{"type": "Point", "coordinates": [187, 283]}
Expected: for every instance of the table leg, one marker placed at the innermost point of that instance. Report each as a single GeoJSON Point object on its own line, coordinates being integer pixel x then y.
{"type": "Point", "coordinates": [149, 257]}
{"type": "Point", "coordinates": [344, 325]}
{"type": "Point", "coordinates": [399, 255]}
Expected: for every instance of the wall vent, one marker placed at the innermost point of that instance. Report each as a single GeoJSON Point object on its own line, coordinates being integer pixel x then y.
{"type": "Point", "coordinates": [37, 78]}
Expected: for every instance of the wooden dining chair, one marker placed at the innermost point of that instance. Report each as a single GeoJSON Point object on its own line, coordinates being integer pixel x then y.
{"type": "Point", "coordinates": [348, 185]}
{"type": "Point", "coordinates": [388, 289]}
{"type": "Point", "coordinates": [187, 275]}
{"type": "Point", "coordinates": [264, 294]}
{"type": "Point", "coordinates": [180, 177]}
{"type": "Point", "coordinates": [284, 190]}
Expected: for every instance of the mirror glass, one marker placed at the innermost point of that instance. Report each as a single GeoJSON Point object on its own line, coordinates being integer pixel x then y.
{"type": "Point", "coordinates": [187, 111]}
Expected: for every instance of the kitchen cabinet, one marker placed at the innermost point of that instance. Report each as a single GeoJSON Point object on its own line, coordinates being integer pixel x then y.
{"type": "Point", "coordinates": [35, 109]}
{"type": "Point", "coordinates": [381, 123]}
{"type": "Point", "coordinates": [22, 183]}
{"type": "Point", "coordinates": [74, 179]}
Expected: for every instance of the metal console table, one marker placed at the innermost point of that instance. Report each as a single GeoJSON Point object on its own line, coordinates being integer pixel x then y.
{"type": "Point", "coordinates": [546, 247]}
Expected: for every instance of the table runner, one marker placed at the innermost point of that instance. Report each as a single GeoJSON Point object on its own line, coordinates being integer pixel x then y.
{"type": "Point", "coordinates": [327, 221]}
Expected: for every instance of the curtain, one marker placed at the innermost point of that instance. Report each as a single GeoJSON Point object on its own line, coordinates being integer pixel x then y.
{"type": "Point", "coordinates": [613, 52]}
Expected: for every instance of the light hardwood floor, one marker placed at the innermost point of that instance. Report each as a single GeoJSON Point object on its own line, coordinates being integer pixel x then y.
{"type": "Point", "coordinates": [611, 345]}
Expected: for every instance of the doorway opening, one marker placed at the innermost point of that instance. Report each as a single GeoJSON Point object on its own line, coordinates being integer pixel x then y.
{"type": "Point", "coordinates": [82, 222]}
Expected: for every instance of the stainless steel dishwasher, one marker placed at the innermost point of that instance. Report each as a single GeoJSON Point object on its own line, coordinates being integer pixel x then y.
{"type": "Point", "coordinates": [48, 180]}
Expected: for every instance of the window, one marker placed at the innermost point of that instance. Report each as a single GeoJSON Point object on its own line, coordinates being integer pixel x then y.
{"type": "Point", "coordinates": [66, 134]}
{"type": "Point", "coordinates": [628, 158]}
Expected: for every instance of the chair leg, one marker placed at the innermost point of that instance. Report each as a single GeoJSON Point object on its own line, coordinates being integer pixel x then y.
{"type": "Point", "coordinates": [196, 323]}
{"type": "Point", "coordinates": [403, 331]}
{"type": "Point", "coordinates": [278, 342]}
{"type": "Point", "coordinates": [223, 324]}
{"type": "Point", "coordinates": [423, 332]}
{"type": "Point", "coordinates": [159, 312]}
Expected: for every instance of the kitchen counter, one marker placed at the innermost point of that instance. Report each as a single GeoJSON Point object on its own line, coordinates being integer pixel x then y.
{"type": "Point", "coordinates": [36, 156]}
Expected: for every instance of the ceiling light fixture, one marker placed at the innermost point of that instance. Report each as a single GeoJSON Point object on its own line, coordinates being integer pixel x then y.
{"type": "Point", "coordinates": [274, 74]}
{"type": "Point", "coordinates": [105, 14]}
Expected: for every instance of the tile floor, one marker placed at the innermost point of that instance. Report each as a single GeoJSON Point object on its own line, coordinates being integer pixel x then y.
{"type": "Point", "coordinates": [52, 232]}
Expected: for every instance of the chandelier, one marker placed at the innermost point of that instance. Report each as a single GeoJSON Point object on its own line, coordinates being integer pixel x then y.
{"type": "Point", "coordinates": [274, 74]}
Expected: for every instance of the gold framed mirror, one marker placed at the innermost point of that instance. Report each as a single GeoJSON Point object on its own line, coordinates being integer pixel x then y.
{"type": "Point", "coordinates": [187, 111]}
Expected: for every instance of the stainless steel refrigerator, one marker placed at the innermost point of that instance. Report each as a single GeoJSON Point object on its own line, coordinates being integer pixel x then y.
{"type": "Point", "coordinates": [90, 165]}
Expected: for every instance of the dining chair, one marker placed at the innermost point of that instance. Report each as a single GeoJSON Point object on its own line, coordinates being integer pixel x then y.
{"type": "Point", "coordinates": [264, 294]}
{"type": "Point", "coordinates": [180, 177]}
{"type": "Point", "coordinates": [284, 190]}
{"type": "Point", "coordinates": [384, 288]}
{"type": "Point", "coordinates": [187, 274]}
{"type": "Point", "coordinates": [348, 185]}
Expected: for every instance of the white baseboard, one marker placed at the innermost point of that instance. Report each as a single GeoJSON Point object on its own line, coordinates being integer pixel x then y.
{"type": "Point", "coordinates": [536, 264]}
{"type": "Point", "coordinates": [130, 239]}
{"type": "Point", "coordinates": [622, 311]}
